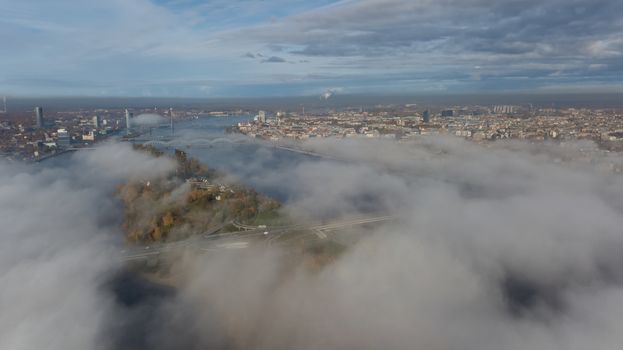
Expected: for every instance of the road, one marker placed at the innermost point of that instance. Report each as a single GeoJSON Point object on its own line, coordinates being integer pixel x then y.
{"type": "Point", "coordinates": [304, 152]}
{"type": "Point", "coordinates": [241, 239]}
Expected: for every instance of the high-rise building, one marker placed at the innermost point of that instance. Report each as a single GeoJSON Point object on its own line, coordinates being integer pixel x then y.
{"type": "Point", "coordinates": [504, 109]}
{"type": "Point", "coordinates": [426, 116]}
{"type": "Point", "coordinates": [39, 117]}
{"type": "Point", "coordinates": [447, 113]}
{"type": "Point", "coordinates": [63, 138]}
{"type": "Point", "coordinates": [128, 121]}
{"type": "Point", "coordinates": [96, 121]}
{"type": "Point", "coordinates": [261, 117]}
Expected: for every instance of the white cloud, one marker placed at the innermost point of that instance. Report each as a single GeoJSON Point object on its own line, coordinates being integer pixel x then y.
{"type": "Point", "coordinates": [493, 248]}
{"type": "Point", "coordinates": [125, 45]}
{"type": "Point", "coordinates": [60, 245]}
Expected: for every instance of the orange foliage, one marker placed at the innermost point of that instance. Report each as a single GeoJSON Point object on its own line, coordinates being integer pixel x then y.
{"type": "Point", "coordinates": [168, 219]}
{"type": "Point", "coordinates": [156, 234]}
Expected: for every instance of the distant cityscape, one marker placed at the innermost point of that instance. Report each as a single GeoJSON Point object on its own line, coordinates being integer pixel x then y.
{"type": "Point", "coordinates": [42, 135]}
{"type": "Point", "coordinates": [477, 123]}
{"type": "Point", "coordinates": [38, 134]}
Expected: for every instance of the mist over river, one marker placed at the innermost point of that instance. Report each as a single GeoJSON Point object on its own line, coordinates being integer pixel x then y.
{"type": "Point", "coordinates": [237, 155]}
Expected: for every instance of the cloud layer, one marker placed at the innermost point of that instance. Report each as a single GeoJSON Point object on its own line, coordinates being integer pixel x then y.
{"type": "Point", "coordinates": [185, 48]}
{"type": "Point", "coordinates": [60, 245]}
{"type": "Point", "coordinates": [511, 247]}
{"type": "Point", "coordinates": [508, 247]}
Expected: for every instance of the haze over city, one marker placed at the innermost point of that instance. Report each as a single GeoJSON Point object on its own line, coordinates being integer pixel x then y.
{"type": "Point", "coordinates": [355, 174]}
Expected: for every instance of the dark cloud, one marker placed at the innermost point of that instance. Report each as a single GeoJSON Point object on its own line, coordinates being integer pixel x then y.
{"type": "Point", "coordinates": [456, 35]}
{"type": "Point", "coordinates": [274, 59]}
{"type": "Point", "coordinates": [370, 27]}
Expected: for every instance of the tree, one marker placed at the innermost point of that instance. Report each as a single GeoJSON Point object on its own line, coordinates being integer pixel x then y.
{"type": "Point", "coordinates": [156, 234]}
{"type": "Point", "coordinates": [168, 219]}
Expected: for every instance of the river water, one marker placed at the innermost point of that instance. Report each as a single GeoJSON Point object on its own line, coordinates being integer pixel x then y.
{"type": "Point", "coordinates": [205, 138]}
{"type": "Point", "coordinates": [237, 155]}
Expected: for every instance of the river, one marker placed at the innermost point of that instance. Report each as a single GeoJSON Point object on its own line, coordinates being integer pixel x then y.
{"type": "Point", "coordinates": [242, 158]}
{"type": "Point", "coordinates": [205, 139]}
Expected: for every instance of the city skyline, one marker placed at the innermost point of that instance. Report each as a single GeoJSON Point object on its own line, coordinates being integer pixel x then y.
{"type": "Point", "coordinates": [186, 48]}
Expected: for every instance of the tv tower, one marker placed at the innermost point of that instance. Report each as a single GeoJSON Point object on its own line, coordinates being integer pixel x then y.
{"type": "Point", "coordinates": [4, 110]}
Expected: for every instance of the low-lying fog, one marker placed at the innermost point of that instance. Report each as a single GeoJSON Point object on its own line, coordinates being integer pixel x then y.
{"type": "Point", "coordinates": [512, 246]}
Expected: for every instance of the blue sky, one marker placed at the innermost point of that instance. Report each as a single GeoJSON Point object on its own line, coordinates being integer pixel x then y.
{"type": "Point", "coordinates": [218, 48]}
